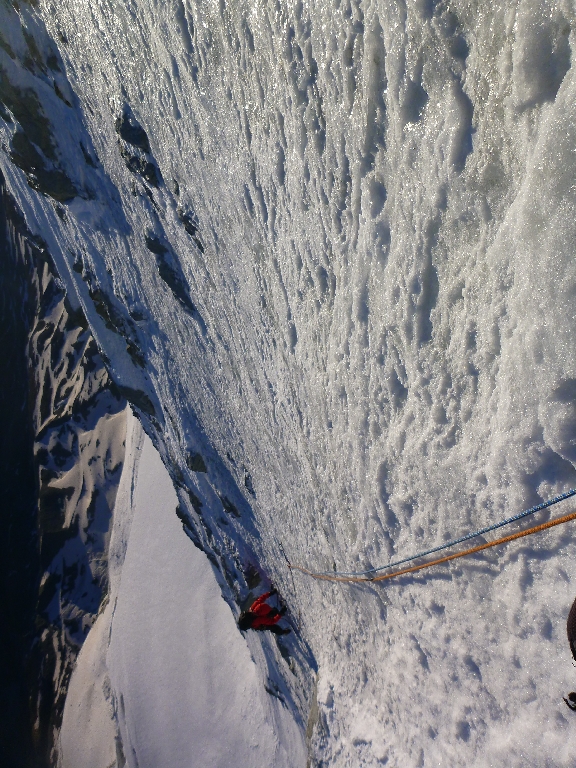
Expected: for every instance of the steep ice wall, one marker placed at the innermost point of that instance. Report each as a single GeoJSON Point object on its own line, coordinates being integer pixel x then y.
{"type": "Point", "coordinates": [331, 247]}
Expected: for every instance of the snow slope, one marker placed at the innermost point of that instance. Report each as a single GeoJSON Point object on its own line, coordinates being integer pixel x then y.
{"type": "Point", "coordinates": [328, 251]}
{"type": "Point", "coordinates": [165, 677]}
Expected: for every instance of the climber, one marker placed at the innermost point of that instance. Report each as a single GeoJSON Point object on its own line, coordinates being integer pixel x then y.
{"type": "Point", "coordinates": [571, 631]}
{"type": "Point", "coordinates": [261, 616]}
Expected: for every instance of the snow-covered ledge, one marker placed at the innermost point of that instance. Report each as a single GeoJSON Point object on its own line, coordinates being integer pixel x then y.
{"type": "Point", "coordinates": [164, 677]}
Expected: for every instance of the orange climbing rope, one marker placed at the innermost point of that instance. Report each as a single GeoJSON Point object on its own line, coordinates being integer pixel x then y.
{"type": "Point", "coordinates": [412, 569]}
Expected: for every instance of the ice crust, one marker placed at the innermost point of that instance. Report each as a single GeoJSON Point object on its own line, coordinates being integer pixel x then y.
{"type": "Point", "coordinates": [380, 349]}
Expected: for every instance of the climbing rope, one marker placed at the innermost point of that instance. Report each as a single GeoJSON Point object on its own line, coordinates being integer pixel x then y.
{"type": "Point", "coordinates": [481, 532]}
{"type": "Point", "coordinates": [299, 620]}
{"type": "Point", "coordinates": [445, 559]}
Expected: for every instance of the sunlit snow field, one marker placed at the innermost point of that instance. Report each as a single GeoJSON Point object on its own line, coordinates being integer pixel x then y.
{"type": "Point", "coordinates": [381, 349]}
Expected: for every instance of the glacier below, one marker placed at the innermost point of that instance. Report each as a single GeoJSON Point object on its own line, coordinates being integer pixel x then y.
{"type": "Point", "coordinates": [326, 251]}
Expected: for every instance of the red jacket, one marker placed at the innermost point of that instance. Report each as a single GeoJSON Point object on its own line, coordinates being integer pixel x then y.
{"type": "Point", "coordinates": [264, 615]}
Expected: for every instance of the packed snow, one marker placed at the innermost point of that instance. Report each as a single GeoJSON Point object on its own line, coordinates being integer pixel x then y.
{"type": "Point", "coordinates": [346, 247]}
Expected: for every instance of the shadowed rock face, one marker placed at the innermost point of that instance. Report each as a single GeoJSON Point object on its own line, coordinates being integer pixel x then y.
{"type": "Point", "coordinates": [61, 453]}
{"type": "Point", "coordinates": [19, 556]}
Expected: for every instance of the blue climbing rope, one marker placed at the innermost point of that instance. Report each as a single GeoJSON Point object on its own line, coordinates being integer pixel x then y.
{"type": "Point", "coordinates": [468, 536]}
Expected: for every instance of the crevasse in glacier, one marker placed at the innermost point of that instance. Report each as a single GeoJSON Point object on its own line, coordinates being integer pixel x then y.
{"type": "Point", "coordinates": [327, 251]}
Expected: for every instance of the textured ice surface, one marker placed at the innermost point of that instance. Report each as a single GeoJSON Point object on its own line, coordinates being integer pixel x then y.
{"type": "Point", "coordinates": [359, 305]}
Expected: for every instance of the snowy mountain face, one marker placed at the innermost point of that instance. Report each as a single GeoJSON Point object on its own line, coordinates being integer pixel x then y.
{"type": "Point", "coordinates": [62, 453]}
{"type": "Point", "coordinates": [325, 250]}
